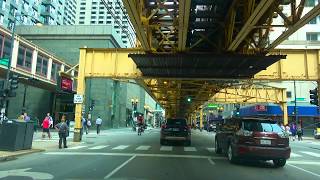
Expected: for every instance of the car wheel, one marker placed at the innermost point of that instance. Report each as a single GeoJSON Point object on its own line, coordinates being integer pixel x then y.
{"type": "Point", "coordinates": [162, 142]}
{"type": "Point", "coordinates": [279, 162]}
{"type": "Point", "coordinates": [230, 154]}
{"type": "Point", "coordinates": [188, 143]}
{"type": "Point", "coordinates": [217, 149]}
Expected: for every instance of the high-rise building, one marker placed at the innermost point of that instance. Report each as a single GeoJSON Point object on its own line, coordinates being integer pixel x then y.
{"type": "Point", "coordinates": [106, 12]}
{"type": "Point", "coordinates": [48, 12]}
{"type": "Point", "coordinates": [310, 32]}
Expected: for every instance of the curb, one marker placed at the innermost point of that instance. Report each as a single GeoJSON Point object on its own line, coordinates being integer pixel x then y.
{"type": "Point", "coordinates": [13, 156]}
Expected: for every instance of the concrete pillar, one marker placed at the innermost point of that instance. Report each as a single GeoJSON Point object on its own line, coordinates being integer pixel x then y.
{"type": "Point", "coordinates": [49, 69]}
{"type": "Point", "coordinates": [15, 50]}
{"type": "Point", "coordinates": [284, 108]}
{"type": "Point", "coordinates": [34, 61]}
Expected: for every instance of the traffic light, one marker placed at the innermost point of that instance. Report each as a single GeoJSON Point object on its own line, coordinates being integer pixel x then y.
{"type": "Point", "coordinates": [314, 97]}
{"type": "Point", "coordinates": [14, 81]}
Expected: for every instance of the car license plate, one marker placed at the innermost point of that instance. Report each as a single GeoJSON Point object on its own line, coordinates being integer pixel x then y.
{"type": "Point", "coordinates": [265, 142]}
{"type": "Point", "coordinates": [175, 129]}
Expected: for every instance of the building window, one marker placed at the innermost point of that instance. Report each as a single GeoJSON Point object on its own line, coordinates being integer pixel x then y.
{"type": "Point", "coordinates": [310, 3]}
{"type": "Point", "coordinates": [100, 22]}
{"type": "Point", "coordinates": [82, 12]}
{"type": "Point", "coordinates": [313, 21]}
{"type": "Point", "coordinates": [81, 22]}
{"type": "Point", "coordinates": [312, 36]}
{"type": "Point", "coordinates": [289, 94]}
{"type": "Point", "coordinates": [42, 66]}
{"type": "Point", "coordinates": [54, 71]}
{"type": "Point", "coordinates": [24, 57]}
{"type": "Point", "coordinates": [82, 8]}
{"type": "Point", "coordinates": [93, 12]}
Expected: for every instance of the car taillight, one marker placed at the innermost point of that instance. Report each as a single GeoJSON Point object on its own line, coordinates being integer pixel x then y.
{"type": "Point", "coordinates": [163, 126]}
{"type": "Point", "coordinates": [242, 132]}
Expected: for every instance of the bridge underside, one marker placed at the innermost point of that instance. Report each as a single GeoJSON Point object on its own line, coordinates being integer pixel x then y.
{"type": "Point", "coordinates": [202, 65]}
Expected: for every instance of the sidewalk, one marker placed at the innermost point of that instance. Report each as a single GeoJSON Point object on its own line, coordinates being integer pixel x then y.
{"type": "Point", "coordinates": [40, 144]}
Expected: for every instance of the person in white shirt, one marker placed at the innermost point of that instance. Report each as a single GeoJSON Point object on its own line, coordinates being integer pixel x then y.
{"type": "Point", "coordinates": [98, 123]}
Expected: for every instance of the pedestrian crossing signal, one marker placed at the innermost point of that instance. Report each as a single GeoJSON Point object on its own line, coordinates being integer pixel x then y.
{"type": "Point", "coordinates": [314, 97]}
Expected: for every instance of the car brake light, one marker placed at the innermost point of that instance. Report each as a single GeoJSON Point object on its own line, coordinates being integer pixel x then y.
{"type": "Point", "coordinates": [242, 132]}
{"type": "Point", "coordinates": [164, 126]}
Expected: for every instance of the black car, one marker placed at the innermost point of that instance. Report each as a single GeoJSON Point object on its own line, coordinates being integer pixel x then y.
{"type": "Point", "coordinates": [175, 129]}
{"type": "Point", "coordinates": [253, 139]}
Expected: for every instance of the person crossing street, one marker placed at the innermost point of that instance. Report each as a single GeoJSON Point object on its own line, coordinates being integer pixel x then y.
{"type": "Point", "coordinates": [62, 129]}
{"type": "Point", "coordinates": [98, 124]}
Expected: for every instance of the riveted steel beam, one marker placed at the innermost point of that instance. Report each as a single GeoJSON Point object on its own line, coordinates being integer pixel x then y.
{"type": "Point", "coordinates": [184, 12]}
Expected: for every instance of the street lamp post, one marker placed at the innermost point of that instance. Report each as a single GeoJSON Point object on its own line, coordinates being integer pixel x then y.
{"type": "Point", "coordinates": [7, 80]}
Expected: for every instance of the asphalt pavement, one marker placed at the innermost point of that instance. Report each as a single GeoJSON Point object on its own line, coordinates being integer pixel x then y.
{"type": "Point", "coordinates": [124, 155]}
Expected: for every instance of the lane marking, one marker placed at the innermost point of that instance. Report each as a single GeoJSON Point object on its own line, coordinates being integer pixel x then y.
{"type": "Point", "coordinates": [211, 161]}
{"type": "Point", "coordinates": [121, 147]}
{"type": "Point", "coordinates": [99, 147]}
{"type": "Point", "coordinates": [143, 148]}
{"type": "Point", "coordinates": [77, 147]}
{"type": "Point", "coordinates": [134, 154]}
{"type": "Point", "coordinates": [304, 162]}
{"type": "Point", "coordinates": [190, 149]}
{"type": "Point", "coordinates": [166, 148]}
{"type": "Point", "coordinates": [119, 167]}
{"type": "Point", "coordinates": [318, 175]}
{"type": "Point", "coordinates": [311, 153]}
{"type": "Point", "coordinates": [295, 155]}
{"type": "Point", "coordinates": [211, 149]}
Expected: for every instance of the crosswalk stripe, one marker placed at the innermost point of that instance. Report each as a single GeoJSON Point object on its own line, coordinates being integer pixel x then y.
{"type": "Point", "coordinates": [99, 147]}
{"type": "Point", "coordinates": [143, 148]}
{"type": "Point", "coordinates": [190, 149]}
{"type": "Point", "coordinates": [310, 153]}
{"type": "Point", "coordinates": [295, 155]}
{"type": "Point", "coordinates": [166, 148]}
{"type": "Point", "coordinates": [77, 147]}
{"type": "Point", "coordinates": [211, 149]}
{"type": "Point", "coordinates": [121, 147]}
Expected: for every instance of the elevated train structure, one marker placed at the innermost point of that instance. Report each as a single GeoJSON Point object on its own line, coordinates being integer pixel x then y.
{"type": "Point", "coordinates": [206, 50]}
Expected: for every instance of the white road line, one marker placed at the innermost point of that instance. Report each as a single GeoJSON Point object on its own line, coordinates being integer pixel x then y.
{"type": "Point", "coordinates": [77, 147]}
{"type": "Point", "coordinates": [166, 148]}
{"type": "Point", "coordinates": [211, 162]}
{"type": "Point", "coordinates": [121, 147]}
{"type": "Point", "coordinates": [118, 168]}
{"type": "Point", "coordinates": [295, 155]}
{"type": "Point", "coordinates": [304, 162]}
{"type": "Point", "coordinates": [318, 175]}
{"type": "Point", "coordinates": [134, 154]}
{"type": "Point", "coordinates": [143, 148]}
{"type": "Point", "coordinates": [210, 149]}
{"type": "Point", "coordinates": [311, 153]}
{"type": "Point", "coordinates": [99, 147]}
{"type": "Point", "coordinates": [190, 149]}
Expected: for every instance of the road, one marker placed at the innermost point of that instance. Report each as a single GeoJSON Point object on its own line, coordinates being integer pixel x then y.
{"type": "Point", "coordinates": [124, 155]}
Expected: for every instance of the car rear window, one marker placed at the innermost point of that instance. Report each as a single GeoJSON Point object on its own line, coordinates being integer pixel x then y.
{"type": "Point", "coordinates": [264, 126]}
{"type": "Point", "coordinates": [180, 122]}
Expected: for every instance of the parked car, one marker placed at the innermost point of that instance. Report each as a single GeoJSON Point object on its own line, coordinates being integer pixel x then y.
{"type": "Point", "coordinates": [175, 129]}
{"type": "Point", "coordinates": [253, 139]}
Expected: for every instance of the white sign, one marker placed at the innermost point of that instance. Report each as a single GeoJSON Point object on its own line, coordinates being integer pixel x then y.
{"type": "Point", "coordinates": [77, 99]}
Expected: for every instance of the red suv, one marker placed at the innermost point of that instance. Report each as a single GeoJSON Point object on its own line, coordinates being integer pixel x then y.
{"type": "Point", "coordinates": [175, 130]}
{"type": "Point", "coordinates": [253, 139]}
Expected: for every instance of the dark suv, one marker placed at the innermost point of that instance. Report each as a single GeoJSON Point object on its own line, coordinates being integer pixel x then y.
{"type": "Point", "coordinates": [253, 139]}
{"type": "Point", "coordinates": [175, 129]}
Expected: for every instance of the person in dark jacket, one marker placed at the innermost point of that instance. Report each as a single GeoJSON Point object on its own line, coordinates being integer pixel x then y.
{"type": "Point", "coordinates": [62, 128]}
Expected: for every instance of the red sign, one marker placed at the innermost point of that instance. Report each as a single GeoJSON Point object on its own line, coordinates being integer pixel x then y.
{"type": "Point", "coordinates": [66, 84]}
{"type": "Point", "coordinates": [261, 108]}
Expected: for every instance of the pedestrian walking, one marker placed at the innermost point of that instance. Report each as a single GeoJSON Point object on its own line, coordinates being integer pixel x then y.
{"type": "Point", "coordinates": [88, 125]}
{"type": "Point", "coordinates": [299, 132]}
{"type": "Point", "coordinates": [98, 124]}
{"type": "Point", "coordinates": [84, 125]}
{"type": "Point", "coordinates": [26, 117]}
{"type": "Point", "coordinates": [45, 127]}
{"type": "Point", "coordinates": [293, 130]}
{"type": "Point", "coordinates": [62, 129]}
{"type": "Point", "coordinates": [50, 120]}
{"type": "Point", "coordinates": [21, 117]}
